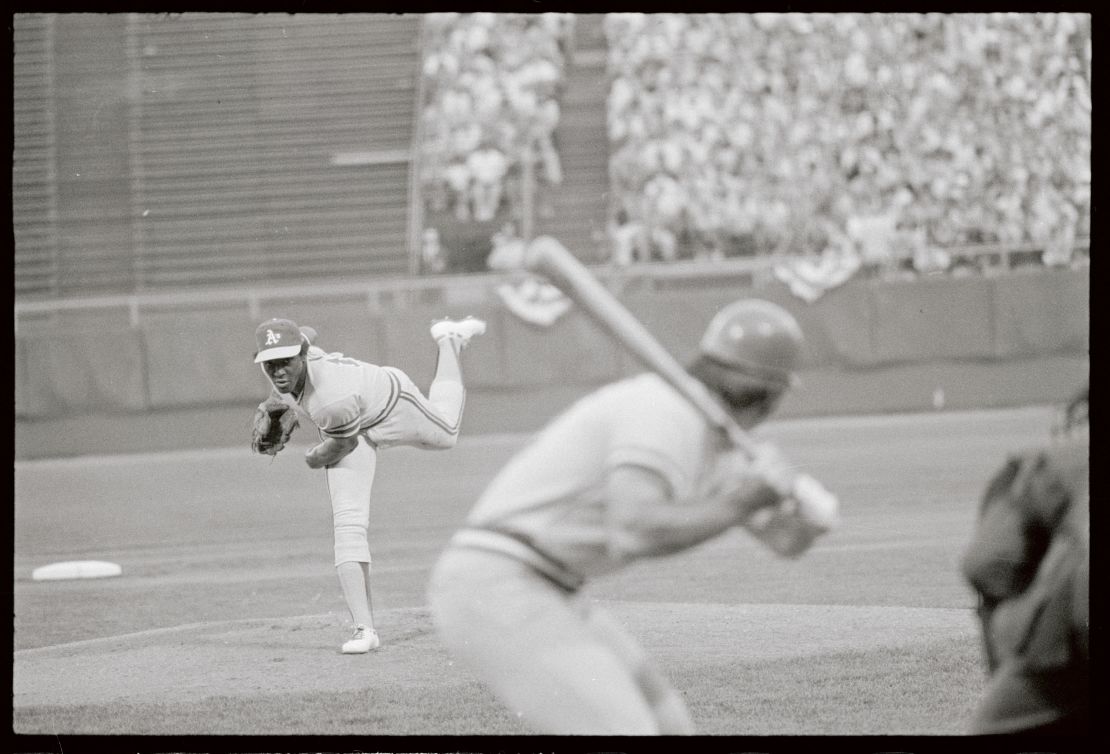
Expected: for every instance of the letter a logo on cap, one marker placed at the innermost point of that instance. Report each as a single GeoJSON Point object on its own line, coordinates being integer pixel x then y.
{"type": "Point", "coordinates": [271, 338]}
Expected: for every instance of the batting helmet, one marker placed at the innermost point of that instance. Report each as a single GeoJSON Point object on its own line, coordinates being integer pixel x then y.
{"type": "Point", "coordinates": [757, 340]}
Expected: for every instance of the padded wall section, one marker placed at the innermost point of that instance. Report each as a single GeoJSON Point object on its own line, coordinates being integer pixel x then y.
{"type": "Point", "coordinates": [193, 356]}
{"type": "Point", "coordinates": [1047, 312]}
{"type": "Point", "coordinates": [27, 402]}
{"type": "Point", "coordinates": [572, 351]}
{"type": "Point", "coordinates": [197, 358]}
{"type": "Point", "coordinates": [933, 318]}
{"type": "Point", "coordinates": [80, 372]}
{"type": "Point", "coordinates": [839, 327]}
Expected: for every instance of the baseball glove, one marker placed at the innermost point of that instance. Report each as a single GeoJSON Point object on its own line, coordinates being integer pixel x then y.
{"type": "Point", "coordinates": [274, 422]}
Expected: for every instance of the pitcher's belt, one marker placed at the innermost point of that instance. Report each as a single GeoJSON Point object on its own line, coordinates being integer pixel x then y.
{"type": "Point", "coordinates": [519, 547]}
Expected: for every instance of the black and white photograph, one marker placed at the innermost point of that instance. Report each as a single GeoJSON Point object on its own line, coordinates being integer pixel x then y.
{"type": "Point", "coordinates": [467, 380]}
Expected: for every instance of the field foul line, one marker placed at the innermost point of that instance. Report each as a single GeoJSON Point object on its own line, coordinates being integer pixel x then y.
{"type": "Point", "coordinates": [233, 575]}
{"type": "Point", "coordinates": [158, 631]}
{"type": "Point", "coordinates": [616, 605]}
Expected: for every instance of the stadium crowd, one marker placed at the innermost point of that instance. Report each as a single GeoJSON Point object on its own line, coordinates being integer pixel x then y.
{"type": "Point", "coordinates": [885, 135]}
{"type": "Point", "coordinates": [879, 138]}
{"type": "Point", "coordinates": [492, 84]}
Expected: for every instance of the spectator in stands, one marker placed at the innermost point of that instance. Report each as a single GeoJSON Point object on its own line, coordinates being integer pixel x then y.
{"type": "Point", "coordinates": [547, 118]}
{"type": "Point", "coordinates": [664, 215]}
{"type": "Point", "coordinates": [487, 167]}
{"type": "Point", "coordinates": [458, 178]}
{"type": "Point", "coordinates": [433, 257]}
{"type": "Point", "coordinates": [489, 102]}
{"type": "Point", "coordinates": [627, 241]}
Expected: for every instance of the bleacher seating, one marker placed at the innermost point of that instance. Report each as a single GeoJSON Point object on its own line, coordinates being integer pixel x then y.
{"type": "Point", "coordinates": [161, 152]}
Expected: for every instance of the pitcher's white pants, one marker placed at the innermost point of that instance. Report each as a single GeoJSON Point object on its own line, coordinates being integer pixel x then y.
{"type": "Point", "coordinates": [431, 423]}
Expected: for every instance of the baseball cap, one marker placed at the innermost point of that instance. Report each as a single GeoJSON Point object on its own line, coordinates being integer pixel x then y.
{"type": "Point", "coordinates": [277, 339]}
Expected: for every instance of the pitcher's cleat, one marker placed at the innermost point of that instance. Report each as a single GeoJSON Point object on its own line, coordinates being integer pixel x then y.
{"type": "Point", "coordinates": [363, 641]}
{"type": "Point", "coordinates": [458, 331]}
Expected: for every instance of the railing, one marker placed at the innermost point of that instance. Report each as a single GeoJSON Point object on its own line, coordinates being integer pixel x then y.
{"type": "Point", "coordinates": [382, 293]}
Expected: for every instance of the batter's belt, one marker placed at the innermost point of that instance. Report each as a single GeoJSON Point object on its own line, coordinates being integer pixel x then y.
{"type": "Point", "coordinates": [519, 547]}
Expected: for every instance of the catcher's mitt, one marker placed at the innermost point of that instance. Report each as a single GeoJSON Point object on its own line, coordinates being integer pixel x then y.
{"type": "Point", "coordinates": [274, 422]}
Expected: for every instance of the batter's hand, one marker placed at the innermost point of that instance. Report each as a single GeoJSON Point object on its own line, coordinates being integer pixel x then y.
{"type": "Point", "coordinates": [751, 484]}
{"type": "Point", "coordinates": [798, 518]}
{"type": "Point", "coordinates": [775, 471]}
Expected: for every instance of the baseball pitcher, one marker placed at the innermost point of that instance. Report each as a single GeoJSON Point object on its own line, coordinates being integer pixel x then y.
{"type": "Point", "coordinates": [357, 409]}
{"type": "Point", "coordinates": [631, 471]}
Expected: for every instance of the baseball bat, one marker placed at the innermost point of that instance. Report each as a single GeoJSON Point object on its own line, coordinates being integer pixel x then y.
{"type": "Point", "coordinates": [547, 257]}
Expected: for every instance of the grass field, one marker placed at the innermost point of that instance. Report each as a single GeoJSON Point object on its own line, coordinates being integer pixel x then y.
{"type": "Point", "coordinates": [228, 618]}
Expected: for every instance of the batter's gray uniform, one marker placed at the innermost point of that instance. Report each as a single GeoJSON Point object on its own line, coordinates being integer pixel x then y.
{"type": "Point", "coordinates": [505, 595]}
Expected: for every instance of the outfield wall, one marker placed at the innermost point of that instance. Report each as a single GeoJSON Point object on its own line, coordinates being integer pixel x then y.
{"type": "Point", "coordinates": [1015, 339]}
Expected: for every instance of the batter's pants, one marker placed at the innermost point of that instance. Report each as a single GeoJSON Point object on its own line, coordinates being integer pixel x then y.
{"type": "Point", "coordinates": [563, 666]}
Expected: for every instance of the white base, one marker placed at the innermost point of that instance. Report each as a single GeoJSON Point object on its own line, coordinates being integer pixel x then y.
{"type": "Point", "coordinates": [76, 569]}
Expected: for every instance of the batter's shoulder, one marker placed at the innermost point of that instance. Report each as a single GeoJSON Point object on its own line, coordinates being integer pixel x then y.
{"type": "Point", "coordinates": [650, 388]}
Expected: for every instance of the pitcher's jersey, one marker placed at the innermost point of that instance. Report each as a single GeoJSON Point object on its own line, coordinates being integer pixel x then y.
{"type": "Point", "coordinates": [552, 491]}
{"type": "Point", "coordinates": [344, 396]}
